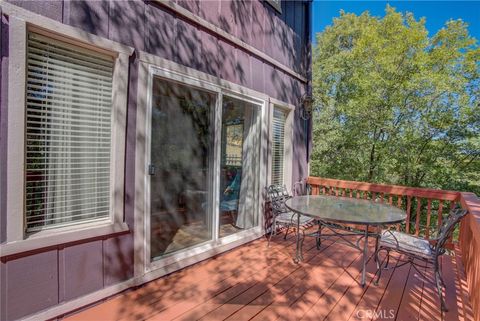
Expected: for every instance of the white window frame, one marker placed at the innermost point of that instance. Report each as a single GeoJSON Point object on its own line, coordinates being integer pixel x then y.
{"type": "Point", "coordinates": [22, 21]}
{"type": "Point", "coordinates": [150, 66]}
{"type": "Point", "coordinates": [289, 109]}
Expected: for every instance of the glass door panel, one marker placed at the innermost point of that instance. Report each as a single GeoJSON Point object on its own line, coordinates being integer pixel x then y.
{"type": "Point", "coordinates": [181, 167]}
{"type": "Point", "coordinates": [240, 147]}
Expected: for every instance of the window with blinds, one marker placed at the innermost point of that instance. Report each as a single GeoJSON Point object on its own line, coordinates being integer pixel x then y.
{"type": "Point", "coordinates": [68, 134]}
{"type": "Point", "coordinates": [278, 145]}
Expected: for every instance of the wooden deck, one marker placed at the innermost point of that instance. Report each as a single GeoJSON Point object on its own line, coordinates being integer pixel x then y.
{"type": "Point", "coordinates": [254, 282]}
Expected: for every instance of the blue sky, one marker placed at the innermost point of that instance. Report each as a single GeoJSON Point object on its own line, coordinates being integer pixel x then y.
{"type": "Point", "coordinates": [435, 12]}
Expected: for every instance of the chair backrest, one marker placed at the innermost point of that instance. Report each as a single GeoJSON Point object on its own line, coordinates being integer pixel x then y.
{"type": "Point", "coordinates": [447, 228]}
{"type": "Point", "coordinates": [301, 188]}
{"type": "Point", "coordinates": [276, 196]}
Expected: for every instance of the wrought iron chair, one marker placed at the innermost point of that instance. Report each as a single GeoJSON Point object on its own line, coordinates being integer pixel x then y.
{"type": "Point", "coordinates": [281, 216]}
{"type": "Point", "coordinates": [301, 188]}
{"type": "Point", "coordinates": [419, 252]}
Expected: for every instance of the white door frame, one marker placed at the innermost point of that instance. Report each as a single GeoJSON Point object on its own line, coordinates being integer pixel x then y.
{"type": "Point", "coordinates": [153, 66]}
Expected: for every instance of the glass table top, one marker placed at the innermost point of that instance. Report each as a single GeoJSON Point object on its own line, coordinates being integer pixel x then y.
{"type": "Point", "coordinates": [346, 210]}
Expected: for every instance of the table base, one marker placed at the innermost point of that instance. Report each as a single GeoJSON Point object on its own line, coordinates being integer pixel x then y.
{"type": "Point", "coordinates": [334, 228]}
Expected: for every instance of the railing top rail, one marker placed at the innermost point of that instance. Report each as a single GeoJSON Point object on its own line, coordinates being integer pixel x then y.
{"type": "Point", "coordinates": [387, 189]}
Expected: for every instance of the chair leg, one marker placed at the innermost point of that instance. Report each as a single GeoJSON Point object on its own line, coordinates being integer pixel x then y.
{"type": "Point", "coordinates": [319, 236]}
{"type": "Point", "coordinates": [379, 265]}
{"type": "Point", "coordinates": [439, 283]}
{"type": "Point", "coordinates": [387, 260]}
{"type": "Point", "coordinates": [301, 242]}
{"type": "Point", "coordinates": [376, 249]}
{"type": "Point", "coordinates": [441, 276]}
{"type": "Point", "coordinates": [272, 232]}
{"type": "Point", "coordinates": [439, 290]}
{"type": "Point", "coordinates": [286, 232]}
{"type": "Point", "coordinates": [379, 268]}
{"type": "Point", "coordinates": [269, 239]}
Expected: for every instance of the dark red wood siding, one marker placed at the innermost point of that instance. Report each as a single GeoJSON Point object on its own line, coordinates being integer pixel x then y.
{"type": "Point", "coordinates": [35, 281]}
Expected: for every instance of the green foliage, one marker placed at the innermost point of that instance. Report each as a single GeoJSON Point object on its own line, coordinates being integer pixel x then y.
{"type": "Point", "coordinates": [396, 105]}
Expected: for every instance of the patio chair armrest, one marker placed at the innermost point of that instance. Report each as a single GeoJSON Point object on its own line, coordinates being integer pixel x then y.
{"type": "Point", "coordinates": [433, 245]}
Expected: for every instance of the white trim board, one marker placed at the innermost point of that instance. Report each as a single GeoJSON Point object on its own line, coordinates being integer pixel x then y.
{"type": "Point", "coordinates": [150, 67]}
{"type": "Point", "coordinates": [288, 142]}
{"type": "Point", "coordinates": [186, 74]}
{"type": "Point", "coordinates": [72, 234]}
{"type": "Point", "coordinates": [168, 69]}
{"type": "Point", "coordinates": [22, 21]}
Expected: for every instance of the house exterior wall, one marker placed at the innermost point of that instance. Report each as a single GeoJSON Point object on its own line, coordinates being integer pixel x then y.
{"type": "Point", "coordinates": [41, 279]}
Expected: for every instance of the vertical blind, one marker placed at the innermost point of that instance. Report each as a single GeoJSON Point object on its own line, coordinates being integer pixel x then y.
{"type": "Point", "coordinates": [278, 145]}
{"type": "Point", "coordinates": [68, 134]}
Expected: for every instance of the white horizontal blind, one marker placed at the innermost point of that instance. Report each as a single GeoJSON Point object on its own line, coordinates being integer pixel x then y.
{"type": "Point", "coordinates": [278, 145]}
{"type": "Point", "coordinates": [68, 134]}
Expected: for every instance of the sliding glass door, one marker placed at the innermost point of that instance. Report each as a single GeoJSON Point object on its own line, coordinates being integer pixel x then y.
{"type": "Point", "coordinates": [181, 167]}
{"type": "Point", "coordinates": [203, 169]}
{"type": "Point", "coordinates": [239, 166]}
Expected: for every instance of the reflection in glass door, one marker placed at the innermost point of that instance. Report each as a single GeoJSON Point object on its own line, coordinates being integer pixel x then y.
{"type": "Point", "coordinates": [180, 170]}
{"type": "Point", "coordinates": [239, 166]}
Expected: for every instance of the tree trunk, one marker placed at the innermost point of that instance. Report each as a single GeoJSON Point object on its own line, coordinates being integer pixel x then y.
{"type": "Point", "coordinates": [372, 157]}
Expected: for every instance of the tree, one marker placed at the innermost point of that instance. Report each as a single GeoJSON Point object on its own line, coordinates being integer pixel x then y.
{"type": "Point", "coordinates": [395, 105]}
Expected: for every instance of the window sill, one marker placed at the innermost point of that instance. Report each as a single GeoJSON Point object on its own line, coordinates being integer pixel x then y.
{"type": "Point", "coordinates": [55, 237]}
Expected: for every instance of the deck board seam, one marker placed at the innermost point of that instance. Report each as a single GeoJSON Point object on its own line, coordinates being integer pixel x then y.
{"type": "Point", "coordinates": [356, 259]}
{"type": "Point", "coordinates": [291, 291]}
{"type": "Point", "coordinates": [213, 296]}
{"type": "Point", "coordinates": [296, 269]}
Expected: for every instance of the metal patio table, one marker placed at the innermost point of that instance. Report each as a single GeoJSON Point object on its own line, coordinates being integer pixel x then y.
{"type": "Point", "coordinates": [333, 213]}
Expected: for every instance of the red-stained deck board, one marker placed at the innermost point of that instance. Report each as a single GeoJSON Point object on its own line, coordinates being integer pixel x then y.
{"type": "Point", "coordinates": [321, 275]}
{"type": "Point", "coordinates": [280, 304]}
{"type": "Point", "coordinates": [256, 282]}
{"type": "Point", "coordinates": [165, 292]}
{"type": "Point", "coordinates": [430, 304]}
{"type": "Point", "coordinates": [461, 284]}
{"type": "Point", "coordinates": [230, 307]}
{"type": "Point", "coordinates": [327, 276]}
{"type": "Point", "coordinates": [370, 298]}
{"type": "Point", "coordinates": [453, 295]}
{"type": "Point", "coordinates": [261, 302]}
{"type": "Point", "coordinates": [412, 296]}
{"type": "Point", "coordinates": [334, 293]}
{"type": "Point", "coordinates": [347, 304]}
{"type": "Point", "coordinates": [391, 299]}
{"type": "Point", "coordinates": [269, 296]}
{"type": "Point", "coordinates": [245, 276]}
{"type": "Point", "coordinates": [246, 290]}
{"type": "Point", "coordinates": [456, 299]}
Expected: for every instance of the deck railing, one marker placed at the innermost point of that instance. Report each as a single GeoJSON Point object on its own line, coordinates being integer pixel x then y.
{"type": "Point", "coordinates": [425, 210]}
{"type": "Point", "coordinates": [469, 242]}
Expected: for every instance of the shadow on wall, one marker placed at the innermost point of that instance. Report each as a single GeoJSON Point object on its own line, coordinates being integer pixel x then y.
{"type": "Point", "coordinates": [151, 27]}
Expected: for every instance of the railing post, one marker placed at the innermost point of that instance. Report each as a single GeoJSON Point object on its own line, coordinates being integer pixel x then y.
{"type": "Point", "coordinates": [409, 205]}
